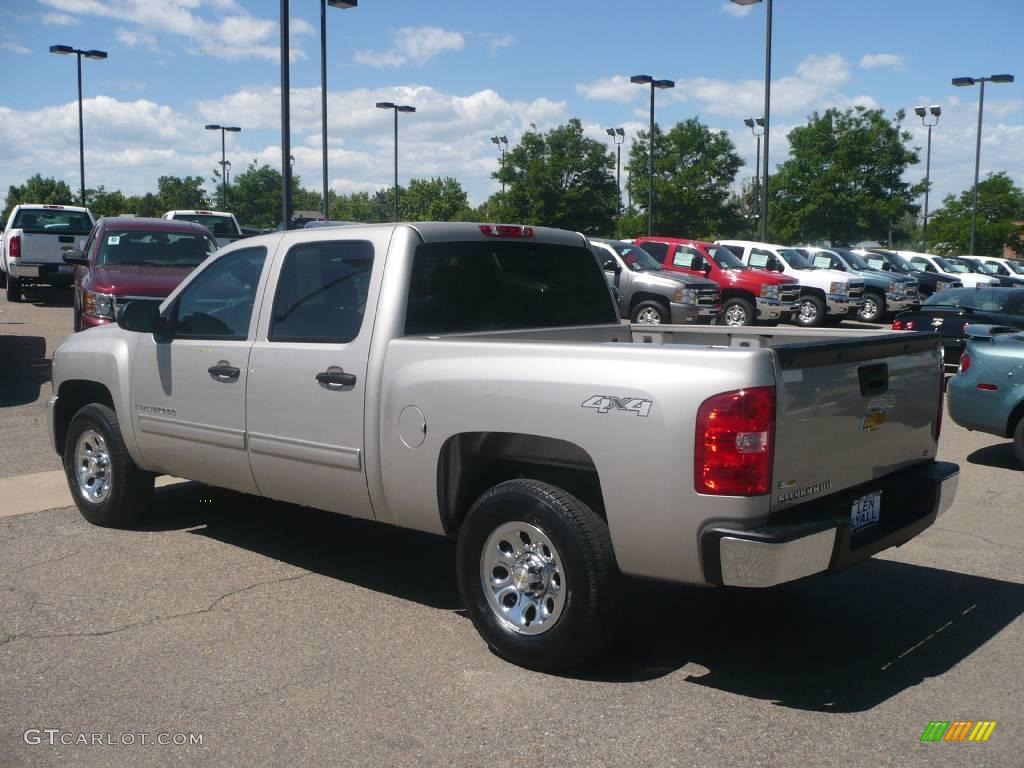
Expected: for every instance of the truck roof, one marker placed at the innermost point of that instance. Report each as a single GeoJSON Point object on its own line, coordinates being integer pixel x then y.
{"type": "Point", "coordinates": [161, 225]}
{"type": "Point", "coordinates": [446, 231]}
{"type": "Point", "coordinates": [196, 212]}
{"type": "Point", "coordinates": [50, 207]}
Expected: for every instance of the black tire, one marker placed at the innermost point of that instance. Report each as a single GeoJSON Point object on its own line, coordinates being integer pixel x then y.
{"type": "Point", "coordinates": [3, 279]}
{"type": "Point", "coordinates": [1018, 442]}
{"type": "Point", "coordinates": [77, 320]}
{"type": "Point", "coordinates": [582, 551]}
{"type": "Point", "coordinates": [129, 488]}
{"type": "Point", "coordinates": [741, 311]}
{"type": "Point", "coordinates": [653, 313]}
{"type": "Point", "coordinates": [810, 312]}
{"type": "Point", "coordinates": [13, 288]}
{"type": "Point", "coordinates": [873, 309]}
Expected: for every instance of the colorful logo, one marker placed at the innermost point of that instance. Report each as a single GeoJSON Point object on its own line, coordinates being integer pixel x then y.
{"type": "Point", "coordinates": [958, 730]}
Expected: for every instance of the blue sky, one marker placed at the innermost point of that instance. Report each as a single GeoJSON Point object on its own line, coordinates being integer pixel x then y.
{"type": "Point", "coordinates": [474, 70]}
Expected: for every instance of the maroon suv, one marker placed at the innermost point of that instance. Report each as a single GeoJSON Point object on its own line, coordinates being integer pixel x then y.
{"type": "Point", "coordinates": [131, 258]}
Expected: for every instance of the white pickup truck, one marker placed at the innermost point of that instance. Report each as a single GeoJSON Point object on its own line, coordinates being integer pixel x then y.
{"type": "Point", "coordinates": [827, 296]}
{"type": "Point", "coordinates": [223, 226]}
{"type": "Point", "coordinates": [34, 240]}
{"type": "Point", "coordinates": [475, 381]}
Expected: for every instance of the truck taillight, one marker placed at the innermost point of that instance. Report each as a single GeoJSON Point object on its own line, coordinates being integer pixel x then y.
{"type": "Point", "coordinates": [15, 246]}
{"type": "Point", "coordinates": [942, 400]}
{"type": "Point", "coordinates": [734, 441]}
{"type": "Point", "coordinates": [506, 230]}
{"type": "Point", "coordinates": [903, 325]}
{"type": "Point", "coordinates": [965, 362]}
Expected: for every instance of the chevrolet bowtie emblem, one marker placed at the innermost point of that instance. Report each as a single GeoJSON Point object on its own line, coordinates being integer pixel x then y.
{"type": "Point", "coordinates": [936, 322]}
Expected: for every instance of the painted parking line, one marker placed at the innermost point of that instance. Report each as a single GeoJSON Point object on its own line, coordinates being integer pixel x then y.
{"type": "Point", "coordinates": [39, 491]}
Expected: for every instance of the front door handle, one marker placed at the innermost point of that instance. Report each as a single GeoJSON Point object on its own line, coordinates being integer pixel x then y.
{"type": "Point", "coordinates": [223, 371]}
{"type": "Point", "coordinates": [336, 377]}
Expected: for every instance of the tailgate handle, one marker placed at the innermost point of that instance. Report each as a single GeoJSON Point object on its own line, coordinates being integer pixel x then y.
{"type": "Point", "coordinates": [874, 379]}
{"type": "Point", "coordinates": [66, 239]}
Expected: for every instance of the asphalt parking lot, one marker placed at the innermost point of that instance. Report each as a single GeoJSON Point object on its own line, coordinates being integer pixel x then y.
{"type": "Point", "coordinates": [285, 636]}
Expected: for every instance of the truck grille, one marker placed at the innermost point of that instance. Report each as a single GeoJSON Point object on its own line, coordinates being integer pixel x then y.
{"type": "Point", "coordinates": [709, 297]}
{"type": "Point", "coordinates": [856, 290]}
{"type": "Point", "coordinates": [789, 293]}
{"type": "Point", "coordinates": [910, 291]}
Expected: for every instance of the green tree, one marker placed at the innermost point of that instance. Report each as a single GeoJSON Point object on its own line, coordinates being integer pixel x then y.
{"type": "Point", "coordinates": [38, 190]}
{"type": "Point", "coordinates": [694, 168]}
{"type": "Point", "coordinates": [1000, 219]}
{"type": "Point", "coordinates": [180, 193]}
{"type": "Point", "coordinates": [843, 181]}
{"type": "Point", "coordinates": [560, 179]}
{"type": "Point", "coordinates": [434, 199]}
{"type": "Point", "coordinates": [103, 203]}
{"type": "Point", "coordinates": [359, 206]}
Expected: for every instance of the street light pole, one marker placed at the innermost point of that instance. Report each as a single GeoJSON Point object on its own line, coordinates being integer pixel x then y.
{"type": "Point", "coordinates": [753, 123]}
{"type": "Point", "coordinates": [64, 50]}
{"type": "Point", "coordinates": [286, 143]}
{"type": "Point", "coordinates": [223, 159]}
{"type": "Point", "coordinates": [962, 81]}
{"type": "Point", "coordinates": [921, 112]}
{"type": "Point", "coordinates": [502, 142]}
{"type": "Point", "coordinates": [397, 108]}
{"type": "Point", "coordinates": [645, 80]}
{"type": "Point", "coordinates": [618, 137]}
{"type": "Point", "coordinates": [342, 4]}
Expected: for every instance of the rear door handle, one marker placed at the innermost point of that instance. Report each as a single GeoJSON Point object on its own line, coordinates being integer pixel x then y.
{"type": "Point", "coordinates": [336, 377]}
{"type": "Point", "coordinates": [222, 371]}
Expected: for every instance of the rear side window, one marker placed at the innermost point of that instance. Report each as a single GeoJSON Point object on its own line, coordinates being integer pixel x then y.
{"type": "Point", "coordinates": [657, 250]}
{"type": "Point", "coordinates": [687, 258]}
{"type": "Point", "coordinates": [53, 221]}
{"type": "Point", "coordinates": [321, 294]}
{"type": "Point", "coordinates": [483, 286]}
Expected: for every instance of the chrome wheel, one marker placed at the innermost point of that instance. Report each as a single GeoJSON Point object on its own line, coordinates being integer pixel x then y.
{"type": "Point", "coordinates": [735, 315]}
{"type": "Point", "coordinates": [521, 574]}
{"type": "Point", "coordinates": [871, 309]}
{"type": "Point", "coordinates": [93, 469]}
{"type": "Point", "coordinates": [808, 313]}
{"type": "Point", "coordinates": [648, 316]}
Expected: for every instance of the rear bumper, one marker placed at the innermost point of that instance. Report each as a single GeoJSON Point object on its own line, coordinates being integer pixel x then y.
{"type": "Point", "coordinates": [815, 537]}
{"type": "Point", "coordinates": [44, 273]}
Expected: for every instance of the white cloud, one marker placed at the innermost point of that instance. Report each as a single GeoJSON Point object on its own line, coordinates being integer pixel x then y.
{"type": "Point", "coordinates": [14, 47]}
{"type": "Point", "coordinates": [59, 20]}
{"type": "Point", "coordinates": [135, 38]}
{"type": "Point", "coordinates": [739, 11]}
{"type": "Point", "coordinates": [496, 42]}
{"type": "Point", "coordinates": [876, 60]}
{"type": "Point", "coordinates": [413, 44]}
{"type": "Point", "coordinates": [616, 88]}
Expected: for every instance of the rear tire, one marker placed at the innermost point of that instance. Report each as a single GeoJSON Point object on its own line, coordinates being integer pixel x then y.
{"type": "Point", "coordinates": [13, 288]}
{"type": "Point", "coordinates": [537, 575]}
{"type": "Point", "coordinates": [108, 488]}
{"type": "Point", "coordinates": [3, 279]}
{"type": "Point", "coordinates": [810, 312]}
{"type": "Point", "coordinates": [1018, 442]}
{"type": "Point", "coordinates": [737, 312]}
{"type": "Point", "coordinates": [651, 313]}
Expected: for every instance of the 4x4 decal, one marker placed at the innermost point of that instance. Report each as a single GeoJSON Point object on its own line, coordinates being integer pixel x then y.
{"type": "Point", "coordinates": [605, 403]}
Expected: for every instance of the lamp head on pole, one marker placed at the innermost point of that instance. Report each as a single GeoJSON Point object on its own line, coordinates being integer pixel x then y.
{"type": "Point", "coordinates": [749, 122]}
{"type": "Point", "coordinates": [610, 131]}
{"type": "Point", "coordinates": [1001, 78]}
{"type": "Point", "coordinates": [935, 109]}
{"type": "Point", "coordinates": [746, 2]}
{"type": "Point", "coordinates": [962, 81]}
{"type": "Point", "coordinates": [495, 140]}
{"type": "Point", "coordinates": [212, 127]}
{"type": "Point", "coordinates": [343, 4]}
{"type": "Point", "coordinates": [232, 128]}
{"type": "Point", "coordinates": [385, 105]}
{"type": "Point", "coordinates": [405, 108]}
{"type": "Point", "coordinates": [504, 140]}
{"type": "Point", "coordinates": [620, 131]}
{"type": "Point", "coordinates": [95, 54]}
{"type": "Point", "coordinates": [664, 84]}
{"type": "Point", "coordinates": [920, 111]}
{"type": "Point", "coordinates": [641, 79]}
{"type": "Point", "coordinates": [63, 50]}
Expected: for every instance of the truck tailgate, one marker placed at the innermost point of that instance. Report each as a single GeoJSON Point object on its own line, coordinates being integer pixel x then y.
{"type": "Point", "coordinates": [48, 249]}
{"type": "Point", "coordinates": [849, 412]}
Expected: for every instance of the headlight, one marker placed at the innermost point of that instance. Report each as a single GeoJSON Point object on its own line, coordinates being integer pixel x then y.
{"type": "Point", "coordinates": [685, 296]}
{"type": "Point", "coordinates": [769, 291]}
{"type": "Point", "coordinates": [99, 305]}
{"type": "Point", "coordinates": [839, 289]}
{"type": "Point", "coordinates": [896, 287]}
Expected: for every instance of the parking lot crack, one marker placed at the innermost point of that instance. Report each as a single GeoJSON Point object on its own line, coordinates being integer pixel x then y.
{"type": "Point", "coordinates": [155, 619]}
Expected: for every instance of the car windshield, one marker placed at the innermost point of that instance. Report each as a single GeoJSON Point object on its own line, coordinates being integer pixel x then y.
{"type": "Point", "coordinates": [983, 267]}
{"type": "Point", "coordinates": [857, 261]}
{"type": "Point", "coordinates": [725, 258]}
{"type": "Point", "coordinates": [795, 259]}
{"type": "Point", "coordinates": [897, 262]}
{"type": "Point", "coordinates": [219, 225]}
{"type": "Point", "coordinates": [637, 259]}
{"type": "Point", "coordinates": [152, 248]}
{"type": "Point", "coordinates": [983, 299]}
{"type": "Point", "coordinates": [53, 221]}
{"type": "Point", "coordinates": [950, 266]}
{"type": "Point", "coordinates": [1015, 266]}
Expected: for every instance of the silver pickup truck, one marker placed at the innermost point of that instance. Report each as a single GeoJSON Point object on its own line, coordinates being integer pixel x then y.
{"type": "Point", "coordinates": [475, 381]}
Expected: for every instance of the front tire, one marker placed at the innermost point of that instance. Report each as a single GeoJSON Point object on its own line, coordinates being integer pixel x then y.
{"type": "Point", "coordinates": [650, 313]}
{"type": "Point", "coordinates": [537, 575]}
{"type": "Point", "coordinates": [13, 288]}
{"type": "Point", "coordinates": [810, 312]}
{"type": "Point", "coordinates": [737, 312]}
{"type": "Point", "coordinates": [1018, 442]}
{"type": "Point", "coordinates": [873, 310]}
{"type": "Point", "coordinates": [108, 488]}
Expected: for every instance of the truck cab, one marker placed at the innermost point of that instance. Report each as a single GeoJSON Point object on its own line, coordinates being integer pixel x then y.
{"type": "Point", "coordinates": [937, 265]}
{"type": "Point", "coordinates": [749, 296]}
{"type": "Point", "coordinates": [827, 296]}
{"type": "Point", "coordinates": [222, 225]}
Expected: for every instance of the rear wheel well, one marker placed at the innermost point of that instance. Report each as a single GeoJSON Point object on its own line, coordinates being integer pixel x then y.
{"type": "Point", "coordinates": [73, 395]}
{"type": "Point", "coordinates": [1015, 415]}
{"type": "Point", "coordinates": [472, 462]}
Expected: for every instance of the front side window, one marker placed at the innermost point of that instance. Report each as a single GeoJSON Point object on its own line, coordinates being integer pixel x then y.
{"type": "Point", "coordinates": [149, 248]}
{"type": "Point", "coordinates": [321, 294]}
{"type": "Point", "coordinates": [461, 287]}
{"type": "Point", "coordinates": [687, 258]}
{"type": "Point", "coordinates": [218, 304]}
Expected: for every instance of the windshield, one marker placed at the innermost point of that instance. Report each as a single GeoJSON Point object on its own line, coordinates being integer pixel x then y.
{"type": "Point", "coordinates": [795, 259]}
{"type": "Point", "coordinates": [897, 262]}
{"type": "Point", "coordinates": [857, 261]}
{"type": "Point", "coordinates": [985, 268]}
{"type": "Point", "coordinates": [53, 221]}
{"type": "Point", "coordinates": [984, 299]}
{"type": "Point", "coordinates": [725, 258]}
{"type": "Point", "coordinates": [1015, 266]}
{"type": "Point", "coordinates": [637, 259]}
{"type": "Point", "coordinates": [149, 248]}
{"type": "Point", "coordinates": [949, 266]}
{"type": "Point", "coordinates": [219, 225]}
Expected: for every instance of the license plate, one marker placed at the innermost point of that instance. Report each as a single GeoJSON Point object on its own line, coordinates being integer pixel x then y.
{"type": "Point", "coordinates": [865, 511]}
{"type": "Point", "coordinates": [66, 268]}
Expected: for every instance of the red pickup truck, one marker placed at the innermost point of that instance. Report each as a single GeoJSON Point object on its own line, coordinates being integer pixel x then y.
{"type": "Point", "coordinates": [127, 258]}
{"type": "Point", "coordinates": [748, 295]}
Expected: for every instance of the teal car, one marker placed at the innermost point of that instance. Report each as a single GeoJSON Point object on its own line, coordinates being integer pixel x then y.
{"type": "Point", "coordinates": [987, 393]}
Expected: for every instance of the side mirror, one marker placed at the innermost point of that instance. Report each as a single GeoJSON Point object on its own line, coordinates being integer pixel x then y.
{"type": "Point", "coordinates": [610, 266]}
{"type": "Point", "coordinates": [140, 317]}
{"type": "Point", "coordinates": [705, 265]}
{"type": "Point", "coordinates": [75, 256]}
